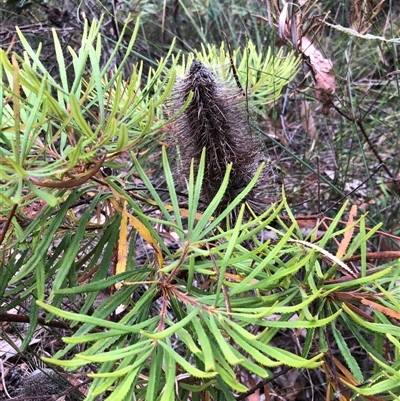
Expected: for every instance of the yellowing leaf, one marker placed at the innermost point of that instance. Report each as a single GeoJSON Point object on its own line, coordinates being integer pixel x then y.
{"type": "Point", "coordinates": [122, 245]}
{"type": "Point", "coordinates": [145, 233]}
{"type": "Point", "coordinates": [142, 230]}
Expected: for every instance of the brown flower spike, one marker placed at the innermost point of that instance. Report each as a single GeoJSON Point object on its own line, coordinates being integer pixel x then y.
{"type": "Point", "coordinates": [218, 120]}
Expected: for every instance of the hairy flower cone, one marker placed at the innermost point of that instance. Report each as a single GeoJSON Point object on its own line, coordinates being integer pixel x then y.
{"type": "Point", "coordinates": [217, 119]}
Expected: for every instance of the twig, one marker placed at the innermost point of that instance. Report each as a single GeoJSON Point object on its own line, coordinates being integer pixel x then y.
{"type": "Point", "coordinates": [355, 189]}
{"type": "Point", "coordinates": [11, 317]}
{"type": "Point", "coordinates": [358, 121]}
{"type": "Point", "coordinates": [233, 68]}
{"type": "Point", "coordinates": [362, 129]}
{"type": "Point", "coordinates": [260, 385]}
{"type": "Point", "coordinates": [7, 225]}
{"type": "Point", "coordinates": [375, 255]}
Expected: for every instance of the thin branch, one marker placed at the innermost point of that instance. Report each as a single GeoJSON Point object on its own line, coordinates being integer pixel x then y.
{"type": "Point", "coordinates": [11, 317]}
{"type": "Point", "coordinates": [356, 188]}
{"type": "Point", "coordinates": [260, 385]}
{"type": "Point", "coordinates": [7, 225]}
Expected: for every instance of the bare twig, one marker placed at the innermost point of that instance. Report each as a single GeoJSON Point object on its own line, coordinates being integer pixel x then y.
{"type": "Point", "coordinates": [7, 224]}
{"type": "Point", "coordinates": [260, 385]}
{"type": "Point", "coordinates": [355, 189]}
{"type": "Point", "coordinates": [11, 317]}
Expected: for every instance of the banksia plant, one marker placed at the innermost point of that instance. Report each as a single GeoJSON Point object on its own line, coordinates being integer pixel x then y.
{"type": "Point", "coordinates": [218, 118]}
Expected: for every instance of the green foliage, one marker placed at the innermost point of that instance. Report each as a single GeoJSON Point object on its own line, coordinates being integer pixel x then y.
{"type": "Point", "coordinates": [218, 303]}
{"type": "Point", "coordinates": [153, 321]}
{"type": "Point", "coordinates": [264, 76]}
{"type": "Point", "coordinates": [49, 128]}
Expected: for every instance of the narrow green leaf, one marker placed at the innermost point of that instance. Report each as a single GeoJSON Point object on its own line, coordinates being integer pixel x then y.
{"type": "Point", "coordinates": [122, 370]}
{"type": "Point", "coordinates": [96, 321]}
{"type": "Point", "coordinates": [73, 249]}
{"type": "Point", "coordinates": [123, 137]}
{"type": "Point", "coordinates": [150, 116]}
{"type": "Point", "coordinates": [203, 226]}
{"type": "Point", "coordinates": [364, 342]}
{"type": "Point", "coordinates": [94, 55]}
{"type": "Point", "coordinates": [35, 117]}
{"type": "Point", "coordinates": [50, 199]}
{"type": "Point", "coordinates": [251, 366]}
{"type": "Point", "coordinates": [287, 357]}
{"type": "Point", "coordinates": [40, 282]}
{"type": "Point", "coordinates": [362, 280]}
{"type": "Point", "coordinates": [197, 388]}
{"type": "Point", "coordinates": [194, 191]}
{"type": "Point", "coordinates": [229, 380]}
{"type": "Point", "coordinates": [374, 327]}
{"type": "Point", "coordinates": [117, 373]}
{"type": "Point", "coordinates": [247, 347]}
{"type": "Point", "coordinates": [301, 324]}
{"type": "Point", "coordinates": [172, 192]}
{"type": "Point", "coordinates": [168, 392]}
{"type": "Point", "coordinates": [74, 363]}
{"type": "Point", "coordinates": [88, 338]}
{"type": "Point", "coordinates": [208, 357]}
{"type": "Point", "coordinates": [188, 340]}
{"type": "Point", "coordinates": [33, 316]}
{"type": "Point", "coordinates": [97, 285]}
{"type": "Point", "coordinates": [117, 48]}
{"type": "Point", "coordinates": [222, 342]}
{"type": "Point", "coordinates": [186, 365]}
{"type": "Point", "coordinates": [228, 254]}
{"type": "Point", "coordinates": [386, 367]}
{"type": "Point", "coordinates": [154, 381]}
{"type": "Point", "coordinates": [121, 391]}
{"type": "Point", "coordinates": [191, 272]}
{"type": "Point", "coordinates": [32, 54]}
{"type": "Point", "coordinates": [152, 190]}
{"type": "Point", "coordinates": [375, 389]}
{"type": "Point", "coordinates": [60, 61]}
{"type": "Point", "coordinates": [100, 385]}
{"type": "Point", "coordinates": [329, 232]}
{"type": "Point", "coordinates": [77, 115]}
{"type": "Point", "coordinates": [46, 239]}
{"type": "Point", "coordinates": [346, 353]}
{"type": "Point", "coordinates": [115, 354]}
{"type": "Point", "coordinates": [309, 341]}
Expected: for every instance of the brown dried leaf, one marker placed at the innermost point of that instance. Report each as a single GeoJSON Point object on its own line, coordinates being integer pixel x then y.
{"type": "Point", "coordinates": [322, 71]}
{"type": "Point", "coordinates": [348, 234]}
{"type": "Point", "coordinates": [383, 309]}
{"type": "Point", "coordinates": [345, 372]}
